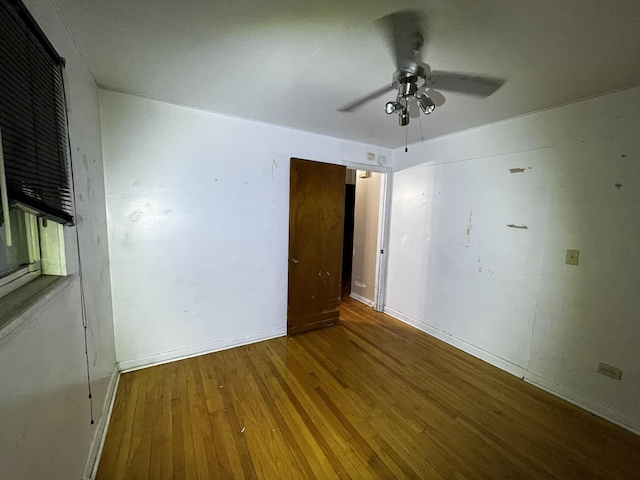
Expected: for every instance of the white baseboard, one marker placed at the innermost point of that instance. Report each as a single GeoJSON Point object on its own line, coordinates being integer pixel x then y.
{"type": "Point", "coordinates": [494, 360]}
{"type": "Point", "coordinates": [598, 409]}
{"type": "Point", "coordinates": [95, 452]}
{"type": "Point", "coordinates": [362, 299]}
{"type": "Point", "coordinates": [609, 414]}
{"type": "Point", "coordinates": [161, 358]}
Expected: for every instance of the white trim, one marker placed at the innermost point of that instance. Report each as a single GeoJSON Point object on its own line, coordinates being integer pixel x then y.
{"type": "Point", "coordinates": [15, 280]}
{"type": "Point", "coordinates": [362, 299]}
{"type": "Point", "coordinates": [100, 435]}
{"type": "Point", "coordinates": [24, 305]}
{"type": "Point", "coordinates": [609, 414]}
{"type": "Point", "coordinates": [380, 234]}
{"type": "Point", "coordinates": [23, 275]}
{"type": "Point", "coordinates": [383, 243]}
{"type": "Point", "coordinates": [494, 360]}
{"type": "Point", "coordinates": [367, 167]}
{"type": "Point", "coordinates": [173, 356]}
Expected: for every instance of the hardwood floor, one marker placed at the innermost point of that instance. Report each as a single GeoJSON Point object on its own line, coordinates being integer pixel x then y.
{"type": "Point", "coordinates": [369, 398]}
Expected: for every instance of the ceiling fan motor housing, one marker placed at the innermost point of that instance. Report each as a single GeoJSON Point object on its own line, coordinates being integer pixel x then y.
{"type": "Point", "coordinates": [411, 74]}
{"type": "Point", "coordinates": [408, 81]}
{"type": "Point", "coordinates": [407, 90]}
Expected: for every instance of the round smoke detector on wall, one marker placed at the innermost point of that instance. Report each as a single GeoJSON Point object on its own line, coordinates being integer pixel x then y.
{"type": "Point", "coordinates": [382, 160]}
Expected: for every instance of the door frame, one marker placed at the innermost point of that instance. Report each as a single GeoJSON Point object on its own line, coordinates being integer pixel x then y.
{"type": "Point", "coordinates": [383, 227]}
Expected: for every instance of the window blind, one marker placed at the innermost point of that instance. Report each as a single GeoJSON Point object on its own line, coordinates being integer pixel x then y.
{"type": "Point", "coordinates": [33, 116]}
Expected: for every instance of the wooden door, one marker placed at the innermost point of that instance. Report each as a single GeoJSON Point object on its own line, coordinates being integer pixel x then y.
{"type": "Point", "coordinates": [316, 224]}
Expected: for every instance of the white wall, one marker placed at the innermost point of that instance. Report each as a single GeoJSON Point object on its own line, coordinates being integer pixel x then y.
{"type": "Point", "coordinates": [505, 294]}
{"type": "Point", "coordinates": [44, 407]}
{"type": "Point", "coordinates": [365, 238]}
{"type": "Point", "coordinates": [198, 224]}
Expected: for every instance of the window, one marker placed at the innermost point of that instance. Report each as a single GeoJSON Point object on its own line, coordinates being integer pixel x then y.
{"type": "Point", "coordinates": [34, 182]}
{"type": "Point", "coordinates": [19, 255]}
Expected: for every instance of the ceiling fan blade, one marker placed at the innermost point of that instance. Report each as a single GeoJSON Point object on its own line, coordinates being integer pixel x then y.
{"type": "Point", "coordinates": [406, 35]}
{"type": "Point", "coordinates": [476, 86]}
{"type": "Point", "coordinates": [350, 107]}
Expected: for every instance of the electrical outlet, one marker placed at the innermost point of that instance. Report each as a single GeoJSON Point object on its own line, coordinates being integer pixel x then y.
{"type": "Point", "coordinates": [572, 257]}
{"type": "Point", "coordinates": [610, 371]}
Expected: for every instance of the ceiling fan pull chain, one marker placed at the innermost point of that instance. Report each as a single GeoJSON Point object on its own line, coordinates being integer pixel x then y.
{"type": "Point", "coordinates": [406, 136]}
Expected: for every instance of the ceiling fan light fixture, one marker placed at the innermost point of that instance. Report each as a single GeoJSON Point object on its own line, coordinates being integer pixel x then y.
{"type": "Point", "coordinates": [405, 31]}
{"type": "Point", "coordinates": [403, 117]}
{"type": "Point", "coordinates": [392, 107]}
{"type": "Point", "coordinates": [426, 104]}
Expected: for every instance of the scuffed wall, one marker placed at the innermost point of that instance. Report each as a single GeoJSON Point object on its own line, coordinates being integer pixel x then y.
{"type": "Point", "coordinates": [479, 231]}
{"type": "Point", "coordinates": [44, 404]}
{"type": "Point", "coordinates": [198, 207]}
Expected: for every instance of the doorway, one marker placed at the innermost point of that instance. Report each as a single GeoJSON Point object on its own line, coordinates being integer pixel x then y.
{"type": "Point", "coordinates": [349, 225]}
{"type": "Point", "coordinates": [363, 234]}
{"type": "Point", "coordinates": [317, 253]}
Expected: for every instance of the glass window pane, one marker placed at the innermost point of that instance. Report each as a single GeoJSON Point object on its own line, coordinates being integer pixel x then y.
{"type": "Point", "coordinates": [16, 256]}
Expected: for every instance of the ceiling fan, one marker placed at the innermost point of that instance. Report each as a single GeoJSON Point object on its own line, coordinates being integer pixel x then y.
{"type": "Point", "coordinates": [412, 78]}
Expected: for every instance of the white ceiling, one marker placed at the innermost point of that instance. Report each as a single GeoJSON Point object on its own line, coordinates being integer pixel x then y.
{"type": "Point", "coordinates": [294, 62]}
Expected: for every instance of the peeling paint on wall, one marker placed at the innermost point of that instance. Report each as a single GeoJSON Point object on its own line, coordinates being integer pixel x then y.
{"type": "Point", "coordinates": [469, 227]}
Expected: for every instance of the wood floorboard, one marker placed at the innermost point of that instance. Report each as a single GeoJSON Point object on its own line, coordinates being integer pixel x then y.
{"type": "Point", "coordinates": [368, 398]}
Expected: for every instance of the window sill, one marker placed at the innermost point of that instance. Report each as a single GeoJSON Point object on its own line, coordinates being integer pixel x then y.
{"type": "Point", "coordinates": [20, 306]}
